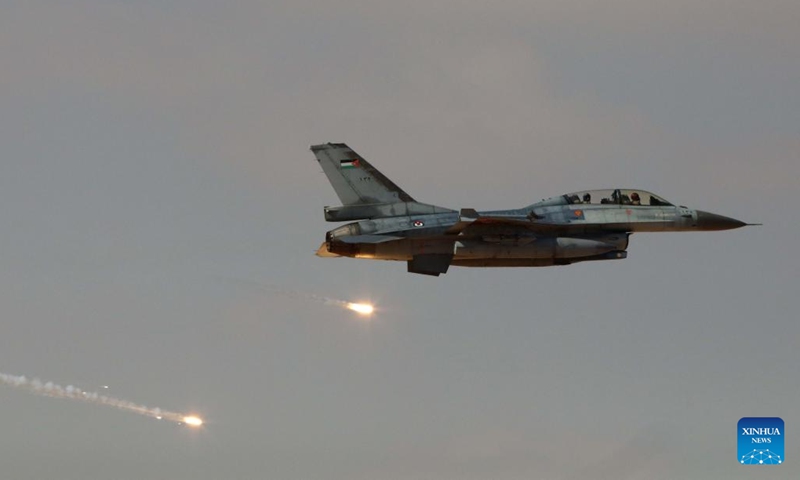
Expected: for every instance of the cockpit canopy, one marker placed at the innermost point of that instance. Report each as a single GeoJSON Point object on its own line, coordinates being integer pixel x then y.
{"type": "Point", "coordinates": [610, 196]}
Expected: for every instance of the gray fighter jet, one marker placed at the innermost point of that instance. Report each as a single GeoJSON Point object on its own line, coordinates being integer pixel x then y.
{"type": "Point", "coordinates": [577, 227]}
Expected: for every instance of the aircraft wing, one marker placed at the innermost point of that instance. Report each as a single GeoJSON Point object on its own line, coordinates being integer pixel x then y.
{"type": "Point", "coordinates": [367, 238]}
{"type": "Point", "coordinates": [470, 223]}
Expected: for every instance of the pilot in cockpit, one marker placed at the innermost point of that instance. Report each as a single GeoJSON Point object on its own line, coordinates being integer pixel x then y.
{"type": "Point", "coordinates": [620, 198]}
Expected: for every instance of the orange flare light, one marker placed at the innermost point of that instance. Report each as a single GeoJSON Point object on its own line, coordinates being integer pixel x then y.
{"type": "Point", "coordinates": [362, 308]}
{"type": "Point", "coordinates": [193, 421]}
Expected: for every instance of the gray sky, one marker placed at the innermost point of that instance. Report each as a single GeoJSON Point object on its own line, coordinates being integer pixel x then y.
{"type": "Point", "coordinates": [156, 183]}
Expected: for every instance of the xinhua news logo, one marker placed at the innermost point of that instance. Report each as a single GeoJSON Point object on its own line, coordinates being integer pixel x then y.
{"type": "Point", "coordinates": [760, 441]}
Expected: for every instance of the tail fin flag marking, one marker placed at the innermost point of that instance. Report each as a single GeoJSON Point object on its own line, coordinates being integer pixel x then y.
{"type": "Point", "coordinates": [354, 179]}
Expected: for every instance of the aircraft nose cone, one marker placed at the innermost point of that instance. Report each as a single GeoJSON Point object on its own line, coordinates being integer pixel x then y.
{"type": "Point", "coordinates": [712, 221]}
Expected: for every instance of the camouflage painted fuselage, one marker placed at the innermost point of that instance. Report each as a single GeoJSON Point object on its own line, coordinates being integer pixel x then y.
{"type": "Point", "coordinates": [583, 226]}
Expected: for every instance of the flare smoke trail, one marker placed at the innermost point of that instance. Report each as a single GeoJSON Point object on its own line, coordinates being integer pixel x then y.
{"type": "Point", "coordinates": [365, 309]}
{"type": "Point", "coordinates": [361, 308]}
{"type": "Point", "coordinates": [50, 389]}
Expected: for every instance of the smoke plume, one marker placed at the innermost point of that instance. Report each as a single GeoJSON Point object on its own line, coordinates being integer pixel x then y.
{"type": "Point", "coordinates": [50, 389]}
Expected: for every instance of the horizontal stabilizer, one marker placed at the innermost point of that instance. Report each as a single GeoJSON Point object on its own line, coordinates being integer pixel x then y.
{"type": "Point", "coordinates": [367, 238]}
{"type": "Point", "coordinates": [344, 213]}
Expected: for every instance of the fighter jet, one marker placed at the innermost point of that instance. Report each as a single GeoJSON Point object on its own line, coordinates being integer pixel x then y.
{"type": "Point", "coordinates": [583, 226]}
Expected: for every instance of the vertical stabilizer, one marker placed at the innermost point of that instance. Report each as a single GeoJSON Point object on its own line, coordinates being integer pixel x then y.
{"type": "Point", "coordinates": [355, 180]}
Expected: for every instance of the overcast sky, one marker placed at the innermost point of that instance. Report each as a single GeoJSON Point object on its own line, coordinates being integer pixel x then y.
{"type": "Point", "coordinates": [160, 210]}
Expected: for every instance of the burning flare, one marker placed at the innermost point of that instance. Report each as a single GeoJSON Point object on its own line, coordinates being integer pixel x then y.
{"type": "Point", "coordinates": [193, 421]}
{"type": "Point", "coordinates": [362, 308]}
{"type": "Point", "coordinates": [365, 309]}
{"type": "Point", "coordinates": [50, 389]}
